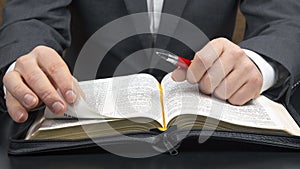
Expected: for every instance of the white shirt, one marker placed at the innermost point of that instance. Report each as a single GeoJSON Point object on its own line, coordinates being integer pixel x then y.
{"type": "Point", "coordinates": [155, 7]}
{"type": "Point", "coordinates": [267, 71]}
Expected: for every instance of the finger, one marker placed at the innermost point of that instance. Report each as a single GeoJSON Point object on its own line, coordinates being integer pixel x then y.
{"type": "Point", "coordinates": [54, 66]}
{"type": "Point", "coordinates": [16, 111]}
{"type": "Point", "coordinates": [40, 84]}
{"type": "Point", "coordinates": [78, 90]}
{"type": "Point", "coordinates": [230, 85]}
{"type": "Point", "coordinates": [217, 73]}
{"type": "Point", "coordinates": [179, 74]}
{"type": "Point", "coordinates": [19, 90]}
{"type": "Point", "coordinates": [203, 60]}
{"type": "Point", "coordinates": [245, 71]}
{"type": "Point", "coordinates": [243, 95]}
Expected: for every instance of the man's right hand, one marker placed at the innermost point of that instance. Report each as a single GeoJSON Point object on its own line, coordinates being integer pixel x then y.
{"type": "Point", "coordinates": [36, 78]}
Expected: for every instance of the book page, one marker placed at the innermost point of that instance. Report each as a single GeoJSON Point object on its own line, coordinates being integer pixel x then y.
{"type": "Point", "coordinates": [51, 124]}
{"type": "Point", "coordinates": [183, 98]}
{"type": "Point", "coordinates": [119, 97]}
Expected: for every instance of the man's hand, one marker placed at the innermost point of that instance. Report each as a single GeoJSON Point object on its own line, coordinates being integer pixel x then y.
{"type": "Point", "coordinates": [223, 69]}
{"type": "Point", "coordinates": [36, 77]}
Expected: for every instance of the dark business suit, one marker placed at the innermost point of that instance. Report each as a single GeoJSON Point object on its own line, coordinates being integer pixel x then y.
{"type": "Point", "coordinates": [273, 29]}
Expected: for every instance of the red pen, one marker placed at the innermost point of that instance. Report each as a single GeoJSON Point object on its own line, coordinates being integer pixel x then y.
{"type": "Point", "coordinates": [175, 60]}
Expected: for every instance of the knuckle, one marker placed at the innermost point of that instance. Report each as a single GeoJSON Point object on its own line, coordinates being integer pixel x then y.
{"type": "Point", "coordinates": [42, 51]}
{"type": "Point", "coordinates": [255, 81]}
{"type": "Point", "coordinates": [46, 95]}
{"type": "Point", "coordinates": [248, 66]}
{"type": "Point", "coordinates": [220, 40]}
{"type": "Point", "coordinates": [237, 53]}
{"type": "Point", "coordinates": [55, 68]}
{"type": "Point", "coordinates": [32, 77]}
{"type": "Point", "coordinates": [7, 77]}
{"type": "Point", "coordinates": [39, 51]}
{"type": "Point", "coordinates": [17, 89]}
{"type": "Point", "coordinates": [197, 56]}
{"type": "Point", "coordinates": [22, 61]}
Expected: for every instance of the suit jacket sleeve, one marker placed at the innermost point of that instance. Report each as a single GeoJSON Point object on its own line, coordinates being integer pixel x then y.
{"type": "Point", "coordinates": [273, 30]}
{"type": "Point", "coordinates": [29, 23]}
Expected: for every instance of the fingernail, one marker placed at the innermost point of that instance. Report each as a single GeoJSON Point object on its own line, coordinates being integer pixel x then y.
{"type": "Point", "coordinates": [57, 107]}
{"type": "Point", "coordinates": [173, 77]}
{"type": "Point", "coordinates": [29, 100]}
{"type": "Point", "coordinates": [70, 96]}
{"type": "Point", "coordinates": [179, 75]}
{"type": "Point", "coordinates": [20, 116]}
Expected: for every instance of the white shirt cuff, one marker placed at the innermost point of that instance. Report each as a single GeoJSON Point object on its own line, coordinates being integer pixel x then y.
{"type": "Point", "coordinates": [11, 68]}
{"type": "Point", "coordinates": [267, 71]}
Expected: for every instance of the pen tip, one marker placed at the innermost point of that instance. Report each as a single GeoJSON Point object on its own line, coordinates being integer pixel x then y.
{"type": "Point", "coordinates": [162, 55]}
{"type": "Point", "coordinates": [158, 53]}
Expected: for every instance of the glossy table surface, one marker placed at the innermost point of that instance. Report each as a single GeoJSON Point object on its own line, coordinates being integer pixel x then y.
{"type": "Point", "coordinates": [211, 155]}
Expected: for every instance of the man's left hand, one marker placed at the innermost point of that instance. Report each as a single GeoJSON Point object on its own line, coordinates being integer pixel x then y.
{"type": "Point", "coordinates": [222, 68]}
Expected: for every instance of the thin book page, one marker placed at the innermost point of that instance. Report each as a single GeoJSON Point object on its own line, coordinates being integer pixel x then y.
{"type": "Point", "coordinates": [58, 124]}
{"type": "Point", "coordinates": [281, 115]}
{"type": "Point", "coordinates": [134, 96]}
{"type": "Point", "coordinates": [119, 97]}
{"type": "Point", "coordinates": [183, 98]}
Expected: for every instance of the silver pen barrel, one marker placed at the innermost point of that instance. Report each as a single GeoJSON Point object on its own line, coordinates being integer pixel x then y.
{"type": "Point", "coordinates": [168, 57]}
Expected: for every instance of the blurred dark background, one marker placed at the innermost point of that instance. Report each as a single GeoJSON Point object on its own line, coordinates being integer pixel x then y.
{"type": "Point", "coordinates": [1, 6]}
{"type": "Point", "coordinates": [237, 37]}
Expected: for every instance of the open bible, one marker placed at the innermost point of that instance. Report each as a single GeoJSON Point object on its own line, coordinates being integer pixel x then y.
{"type": "Point", "coordinates": [139, 103]}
